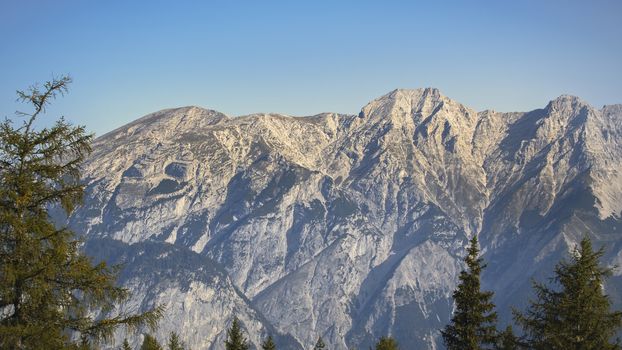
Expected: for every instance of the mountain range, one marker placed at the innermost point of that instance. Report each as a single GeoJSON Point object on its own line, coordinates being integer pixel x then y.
{"type": "Point", "coordinates": [348, 227]}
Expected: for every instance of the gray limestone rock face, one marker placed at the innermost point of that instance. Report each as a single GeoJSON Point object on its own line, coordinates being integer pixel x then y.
{"type": "Point", "coordinates": [349, 227]}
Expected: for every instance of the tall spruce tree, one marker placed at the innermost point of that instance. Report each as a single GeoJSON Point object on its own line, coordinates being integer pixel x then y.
{"type": "Point", "coordinates": [48, 288]}
{"type": "Point", "coordinates": [319, 344]}
{"type": "Point", "coordinates": [174, 343]}
{"type": "Point", "coordinates": [473, 325]}
{"type": "Point", "coordinates": [268, 344]}
{"type": "Point", "coordinates": [387, 343]}
{"type": "Point", "coordinates": [235, 339]}
{"type": "Point", "coordinates": [576, 314]}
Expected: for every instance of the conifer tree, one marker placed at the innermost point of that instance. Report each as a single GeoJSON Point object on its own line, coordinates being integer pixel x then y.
{"type": "Point", "coordinates": [472, 326]}
{"type": "Point", "coordinates": [387, 343]}
{"type": "Point", "coordinates": [47, 286]}
{"type": "Point", "coordinates": [576, 314]}
{"type": "Point", "coordinates": [126, 345]}
{"type": "Point", "coordinates": [174, 343]}
{"type": "Point", "coordinates": [268, 344]}
{"type": "Point", "coordinates": [507, 340]}
{"type": "Point", "coordinates": [150, 343]}
{"type": "Point", "coordinates": [235, 339]}
{"type": "Point", "coordinates": [319, 344]}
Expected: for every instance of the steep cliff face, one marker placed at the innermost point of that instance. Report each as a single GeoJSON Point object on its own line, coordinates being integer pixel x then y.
{"type": "Point", "coordinates": [353, 226]}
{"type": "Point", "coordinates": [199, 297]}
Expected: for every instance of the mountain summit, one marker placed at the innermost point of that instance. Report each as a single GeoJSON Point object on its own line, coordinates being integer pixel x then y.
{"type": "Point", "coordinates": [348, 227]}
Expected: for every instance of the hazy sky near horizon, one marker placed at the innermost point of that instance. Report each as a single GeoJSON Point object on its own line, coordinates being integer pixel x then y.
{"type": "Point", "coordinates": [130, 58]}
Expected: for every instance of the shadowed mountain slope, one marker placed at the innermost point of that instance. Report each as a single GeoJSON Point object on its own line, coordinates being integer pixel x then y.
{"type": "Point", "coordinates": [354, 226]}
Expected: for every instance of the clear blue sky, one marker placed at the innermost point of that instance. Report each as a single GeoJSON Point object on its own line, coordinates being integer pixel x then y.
{"type": "Point", "coordinates": [130, 58]}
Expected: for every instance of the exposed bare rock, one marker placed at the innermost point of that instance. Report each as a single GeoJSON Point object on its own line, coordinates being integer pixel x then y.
{"type": "Point", "coordinates": [352, 226]}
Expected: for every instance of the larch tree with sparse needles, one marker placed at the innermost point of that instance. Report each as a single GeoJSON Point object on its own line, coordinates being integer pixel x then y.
{"type": "Point", "coordinates": [48, 288]}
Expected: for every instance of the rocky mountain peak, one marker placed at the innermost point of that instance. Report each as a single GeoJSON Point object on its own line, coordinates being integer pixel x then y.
{"type": "Point", "coordinates": [349, 227]}
{"type": "Point", "coordinates": [417, 95]}
{"type": "Point", "coordinates": [567, 101]}
{"type": "Point", "coordinates": [167, 121]}
{"type": "Point", "coordinates": [424, 110]}
{"type": "Point", "coordinates": [404, 102]}
{"type": "Point", "coordinates": [567, 106]}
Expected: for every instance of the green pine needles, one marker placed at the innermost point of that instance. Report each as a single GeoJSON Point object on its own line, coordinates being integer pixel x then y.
{"type": "Point", "coordinates": [577, 314]}
{"type": "Point", "coordinates": [235, 338]}
{"type": "Point", "coordinates": [387, 343]}
{"type": "Point", "coordinates": [268, 344]}
{"type": "Point", "coordinates": [174, 343]}
{"type": "Point", "coordinates": [150, 343]}
{"type": "Point", "coordinates": [48, 288]}
{"type": "Point", "coordinates": [473, 325]}
{"type": "Point", "coordinates": [319, 344]}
